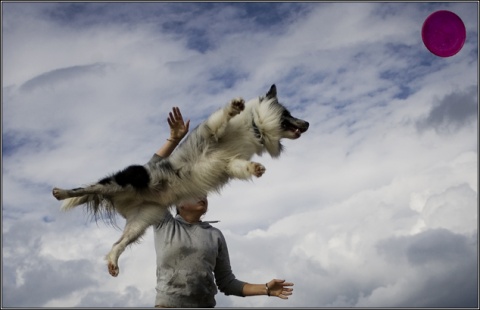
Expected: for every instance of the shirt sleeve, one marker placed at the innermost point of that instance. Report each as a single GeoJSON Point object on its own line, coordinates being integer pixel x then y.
{"type": "Point", "coordinates": [225, 279]}
{"type": "Point", "coordinates": [166, 219]}
{"type": "Point", "coordinates": [150, 164]}
{"type": "Point", "coordinates": [155, 158]}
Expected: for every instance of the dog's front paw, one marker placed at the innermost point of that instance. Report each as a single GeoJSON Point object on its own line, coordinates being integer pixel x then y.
{"type": "Point", "coordinates": [256, 169]}
{"type": "Point", "coordinates": [237, 105]}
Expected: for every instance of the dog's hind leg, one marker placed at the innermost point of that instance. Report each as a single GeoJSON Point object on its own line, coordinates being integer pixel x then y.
{"type": "Point", "coordinates": [132, 232]}
{"type": "Point", "coordinates": [244, 169]}
{"type": "Point", "coordinates": [217, 122]}
{"type": "Point", "coordinates": [133, 177]}
{"type": "Point", "coordinates": [62, 194]}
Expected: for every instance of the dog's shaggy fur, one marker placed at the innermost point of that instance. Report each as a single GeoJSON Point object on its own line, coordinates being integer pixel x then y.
{"type": "Point", "coordinates": [215, 152]}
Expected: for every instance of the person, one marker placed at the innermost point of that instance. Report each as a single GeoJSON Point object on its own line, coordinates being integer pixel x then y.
{"type": "Point", "coordinates": [193, 262]}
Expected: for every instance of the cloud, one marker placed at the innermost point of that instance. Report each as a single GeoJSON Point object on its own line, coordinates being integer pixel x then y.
{"type": "Point", "coordinates": [444, 259]}
{"type": "Point", "coordinates": [43, 277]}
{"type": "Point", "coordinates": [453, 209]}
{"type": "Point", "coordinates": [58, 75]}
{"type": "Point", "coordinates": [452, 112]}
{"type": "Point", "coordinates": [128, 298]}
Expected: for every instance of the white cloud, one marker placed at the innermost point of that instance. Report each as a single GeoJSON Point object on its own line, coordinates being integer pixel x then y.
{"type": "Point", "coordinates": [455, 209]}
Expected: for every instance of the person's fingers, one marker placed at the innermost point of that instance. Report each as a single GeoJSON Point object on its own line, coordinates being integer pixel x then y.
{"type": "Point", "coordinates": [285, 293]}
{"type": "Point", "coordinates": [178, 114]}
{"type": "Point", "coordinates": [282, 282]}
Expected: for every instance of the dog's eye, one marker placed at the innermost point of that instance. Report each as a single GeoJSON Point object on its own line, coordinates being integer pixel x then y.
{"type": "Point", "coordinates": [286, 113]}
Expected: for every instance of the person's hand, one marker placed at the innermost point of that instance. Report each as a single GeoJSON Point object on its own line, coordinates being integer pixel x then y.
{"type": "Point", "coordinates": [178, 128]}
{"type": "Point", "coordinates": [279, 288]}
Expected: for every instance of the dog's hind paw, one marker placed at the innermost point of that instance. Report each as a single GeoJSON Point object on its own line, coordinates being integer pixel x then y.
{"type": "Point", "coordinates": [256, 169]}
{"type": "Point", "coordinates": [60, 194]}
{"type": "Point", "coordinates": [237, 105]}
{"type": "Point", "coordinates": [113, 270]}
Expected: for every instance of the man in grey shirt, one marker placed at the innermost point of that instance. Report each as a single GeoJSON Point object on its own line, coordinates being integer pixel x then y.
{"type": "Point", "coordinates": [192, 255]}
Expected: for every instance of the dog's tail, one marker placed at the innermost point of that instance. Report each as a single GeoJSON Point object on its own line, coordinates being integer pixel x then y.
{"type": "Point", "coordinates": [98, 206]}
{"type": "Point", "coordinates": [71, 203]}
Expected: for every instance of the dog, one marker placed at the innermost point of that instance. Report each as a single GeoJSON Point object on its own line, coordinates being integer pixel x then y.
{"type": "Point", "coordinates": [215, 152]}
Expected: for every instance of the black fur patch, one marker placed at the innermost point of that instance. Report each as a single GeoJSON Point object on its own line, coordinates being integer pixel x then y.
{"type": "Point", "coordinates": [105, 181]}
{"type": "Point", "coordinates": [135, 175]}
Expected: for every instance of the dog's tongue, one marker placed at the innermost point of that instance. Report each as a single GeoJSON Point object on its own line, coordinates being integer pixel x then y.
{"type": "Point", "coordinates": [297, 132]}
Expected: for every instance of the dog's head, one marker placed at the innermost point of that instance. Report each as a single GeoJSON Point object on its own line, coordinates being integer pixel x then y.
{"type": "Point", "coordinates": [276, 122]}
{"type": "Point", "coordinates": [291, 127]}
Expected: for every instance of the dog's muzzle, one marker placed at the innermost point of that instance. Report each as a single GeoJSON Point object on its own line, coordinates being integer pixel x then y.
{"type": "Point", "coordinates": [297, 127]}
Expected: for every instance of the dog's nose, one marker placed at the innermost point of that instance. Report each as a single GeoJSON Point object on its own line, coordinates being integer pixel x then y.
{"type": "Point", "coordinates": [305, 126]}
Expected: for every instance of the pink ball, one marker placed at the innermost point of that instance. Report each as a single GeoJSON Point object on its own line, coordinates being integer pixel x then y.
{"type": "Point", "coordinates": [443, 33]}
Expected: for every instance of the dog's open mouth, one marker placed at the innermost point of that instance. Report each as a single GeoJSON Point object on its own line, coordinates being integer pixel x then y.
{"type": "Point", "coordinates": [297, 128]}
{"type": "Point", "coordinates": [296, 131]}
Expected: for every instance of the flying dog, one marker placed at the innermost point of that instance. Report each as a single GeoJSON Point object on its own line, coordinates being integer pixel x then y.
{"type": "Point", "coordinates": [215, 152]}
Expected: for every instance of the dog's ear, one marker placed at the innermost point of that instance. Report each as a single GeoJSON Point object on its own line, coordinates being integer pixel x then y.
{"type": "Point", "coordinates": [272, 93]}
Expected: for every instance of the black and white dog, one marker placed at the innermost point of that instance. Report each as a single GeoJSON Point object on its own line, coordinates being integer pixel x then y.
{"type": "Point", "coordinates": [215, 152]}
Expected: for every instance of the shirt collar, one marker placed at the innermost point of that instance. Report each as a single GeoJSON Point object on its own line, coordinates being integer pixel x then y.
{"type": "Point", "coordinates": [201, 223]}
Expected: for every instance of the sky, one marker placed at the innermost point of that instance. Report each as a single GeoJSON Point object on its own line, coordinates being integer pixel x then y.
{"type": "Point", "coordinates": [376, 205]}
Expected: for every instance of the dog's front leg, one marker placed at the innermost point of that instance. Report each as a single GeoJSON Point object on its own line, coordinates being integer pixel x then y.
{"type": "Point", "coordinates": [244, 169]}
{"type": "Point", "coordinates": [217, 122]}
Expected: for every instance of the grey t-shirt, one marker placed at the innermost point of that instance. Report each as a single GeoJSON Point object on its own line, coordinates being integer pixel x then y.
{"type": "Point", "coordinates": [192, 261]}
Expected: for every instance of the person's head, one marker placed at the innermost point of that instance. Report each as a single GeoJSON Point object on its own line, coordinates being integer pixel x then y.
{"type": "Point", "coordinates": [193, 207]}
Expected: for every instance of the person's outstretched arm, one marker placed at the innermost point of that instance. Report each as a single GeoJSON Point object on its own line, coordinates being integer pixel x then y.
{"type": "Point", "coordinates": [178, 130]}
{"type": "Point", "coordinates": [276, 287]}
